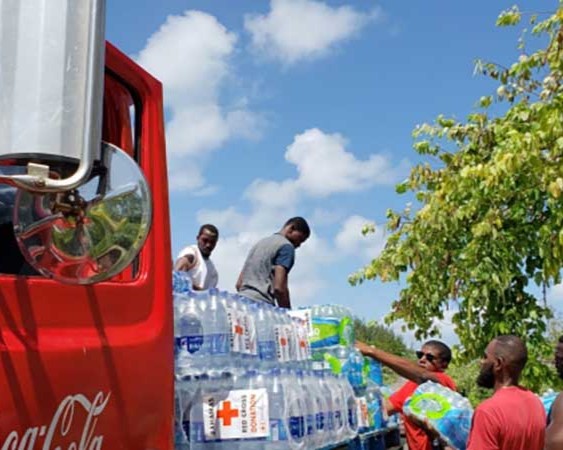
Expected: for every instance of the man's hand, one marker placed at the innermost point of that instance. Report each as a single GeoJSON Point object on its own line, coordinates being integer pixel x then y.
{"type": "Point", "coordinates": [364, 348]}
{"type": "Point", "coordinates": [185, 263]}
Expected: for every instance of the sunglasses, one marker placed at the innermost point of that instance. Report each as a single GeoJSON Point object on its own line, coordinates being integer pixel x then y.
{"type": "Point", "coordinates": [429, 356]}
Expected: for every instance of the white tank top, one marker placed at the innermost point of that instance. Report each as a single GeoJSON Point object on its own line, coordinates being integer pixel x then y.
{"type": "Point", "coordinates": [203, 274]}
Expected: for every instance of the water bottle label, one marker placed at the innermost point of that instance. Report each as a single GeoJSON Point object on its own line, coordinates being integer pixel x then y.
{"type": "Point", "coordinates": [250, 341]}
{"type": "Point", "coordinates": [267, 350]}
{"type": "Point", "coordinates": [218, 344]}
{"type": "Point", "coordinates": [303, 350]}
{"type": "Point", "coordinates": [362, 412]}
{"type": "Point", "coordinates": [282, 344]}
{"type": "Point", "coordinates": [243, 414]}
{"type": "Point", "coordinates": [235, 329]}
{"type": "Point", "coordinates": [346, 331]}
{"type": "Point", "coordinates": [277, 430]}
{"type": "Point", "coordinates": [320, 419]}
{"type": "Point", "coordinates": [191, 344]}
{"type": "Point", "coordinates": [297, 427]}
{"type": "Point", "coordinates": [310, 424]}
{"type": "Point", "coordinates": [306, 317]}
{"type": "Point", "coordinates": [291, 343]}
{"type": "Point", "coordinates": [325, 332]}
{"type": "Point", "coordinates": [338, 420]}
{"type": "Point", "coordinates": [330, 420]}
{"type": "Point", "coordinates": [353, 417]}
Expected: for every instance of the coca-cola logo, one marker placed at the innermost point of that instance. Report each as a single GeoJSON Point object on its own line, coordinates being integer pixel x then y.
{"type": "Point", "coordinates": [45, 437]}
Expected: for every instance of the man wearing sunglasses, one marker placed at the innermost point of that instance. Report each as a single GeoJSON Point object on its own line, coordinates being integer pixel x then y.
{"type": "Point", "coordinates": [433, 359]}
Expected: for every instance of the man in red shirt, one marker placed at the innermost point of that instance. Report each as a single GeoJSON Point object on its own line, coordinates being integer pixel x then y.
{"type": "Point", "coordinates": [433, 359]}
{"type": "Point", "coordinates": [513, 418]}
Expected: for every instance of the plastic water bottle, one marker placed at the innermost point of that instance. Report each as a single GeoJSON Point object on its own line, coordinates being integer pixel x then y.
{"type": "Point", "coordinates": [195, 426]}
{"type": "Point", "coordinates": [345, 326]}
{"type": "Point", "coordinates": [181, 282]}
{"type": "Point", "coordinates": [248, 312]}
{"type": "Point", "coordinates": [191, 353]}
{"type": "Point", "coordinates": [375, 405]}
{"type": "Point", "coordinates": [236, 331]}
{"type": "Point", "coordinates": [216, 335]}
{"type": "Point", "coordinates": [266, 336]}
{"type": "Point", "coordinates": [296, 410]}
{"type": "Point", "coordinates": [375, 372]}
{"type": "Point", "coordinates": [350, 406]}
{"type": "Point", "coordinates": [328, 394]}
{"type": "Point", "coordinates": [281, 337]}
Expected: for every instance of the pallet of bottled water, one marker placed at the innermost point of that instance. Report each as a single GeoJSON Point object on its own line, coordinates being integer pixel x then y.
{"type": "Point", "coordinates": [245, 378]}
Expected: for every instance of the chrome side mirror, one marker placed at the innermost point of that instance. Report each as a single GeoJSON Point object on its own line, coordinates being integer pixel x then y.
{"type": "Point", "coordinates": [91, 233]}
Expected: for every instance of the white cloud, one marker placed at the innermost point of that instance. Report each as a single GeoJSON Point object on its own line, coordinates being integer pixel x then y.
{"type": "Point", "coordinates": [295, 30]}
{"type": "Point", "coordinates": [350, 239]}
{"type": "Point", "coordinates": [324, 167]}
{"type": "Point", "coordinates": [191, 55]}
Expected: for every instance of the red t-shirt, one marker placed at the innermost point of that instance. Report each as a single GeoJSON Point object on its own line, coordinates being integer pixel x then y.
{"type": "Point", "coordinates": [417, 439]}
{"type": "Point", "coordinates": [512, 419]}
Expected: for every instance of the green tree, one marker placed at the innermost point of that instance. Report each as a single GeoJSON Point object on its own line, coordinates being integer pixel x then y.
{"type": "Point", "coordinates": [490, 217]}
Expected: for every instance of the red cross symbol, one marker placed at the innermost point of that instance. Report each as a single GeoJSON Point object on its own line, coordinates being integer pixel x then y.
{"type": "Point", "coordinates": [227, 414]}
{"type": "Point", "coordinates": [239, 330]}
{"type": "Point", "coordinates": [302, 344]}
{"type": "Point", "coordinates": [283, 342]}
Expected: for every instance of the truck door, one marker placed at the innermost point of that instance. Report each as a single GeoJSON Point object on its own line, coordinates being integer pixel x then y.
{"type": "Point", "coordinates": [91, 366]}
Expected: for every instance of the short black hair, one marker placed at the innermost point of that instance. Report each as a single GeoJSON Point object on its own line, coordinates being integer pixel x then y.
{"type": "Point", "coordinates": [561, 339]}
{"type": "Point", "coordinates": [513, 350]}
{"type": "Point", "coordinates": [443, 349]}
{"type": "Point", "coordinates": [300, 224]}
{"type": "Point", "coordinates": [211, 228]}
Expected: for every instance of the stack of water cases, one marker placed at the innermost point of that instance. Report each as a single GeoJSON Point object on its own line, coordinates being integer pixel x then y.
{"type": "Point", "coordinates": [332, 342]}
{"type": "Point", "coordinates": [245, 378]}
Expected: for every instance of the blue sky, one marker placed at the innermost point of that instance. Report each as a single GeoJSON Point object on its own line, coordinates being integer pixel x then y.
{"type": "Point", "coordinates": [299, 107]}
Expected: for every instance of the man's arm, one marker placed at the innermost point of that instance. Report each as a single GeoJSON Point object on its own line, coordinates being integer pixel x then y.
{"type": "Point", "coordinates": [554, 432]}
{"type": "Point", "coordinates": [398, 364]}
{"type": "Point", "coordinates": [281, 291]}
{"type": "Point", "coordinates": [185, 263]}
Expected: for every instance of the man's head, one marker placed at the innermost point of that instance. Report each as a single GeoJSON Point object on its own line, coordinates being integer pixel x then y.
{"type": "Point", "coordinates": [207, 239]}
{"type": "Point", "coordinates": [434, 356]}
{"type": "Point", "coordinates": [296, 230]}
{"type": "Point", "coordinates": [504, 360]}
{"type": "Point", "coordinates": [559, 357]}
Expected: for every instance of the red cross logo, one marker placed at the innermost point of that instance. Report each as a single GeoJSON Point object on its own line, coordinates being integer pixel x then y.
{"type": "Point", "coordinates": [227, 414]}
{"type": "Point", "coordinates": [283, 342]}
{"type": "Point", "coordinates": [239, 330]}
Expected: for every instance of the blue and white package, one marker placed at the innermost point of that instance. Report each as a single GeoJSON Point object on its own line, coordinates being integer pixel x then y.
{"type": "Point", "coordinates": [442, 409]}
{"type": "Point", "coordinates": [547, 400]}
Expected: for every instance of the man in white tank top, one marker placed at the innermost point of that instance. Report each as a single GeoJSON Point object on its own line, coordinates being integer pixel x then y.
{"type": "Point", "coordinates": [195, 259]}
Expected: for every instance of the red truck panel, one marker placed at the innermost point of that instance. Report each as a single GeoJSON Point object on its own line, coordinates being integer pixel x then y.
{"type": "Point", "coordinates": [91, 367]}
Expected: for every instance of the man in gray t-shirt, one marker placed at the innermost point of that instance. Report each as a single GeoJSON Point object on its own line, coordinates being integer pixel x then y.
{"type": "Point", "coordinates": [264, 274]}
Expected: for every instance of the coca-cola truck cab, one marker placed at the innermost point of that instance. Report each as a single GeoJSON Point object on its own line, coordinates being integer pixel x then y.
{"type": "Point", "coordinates": [86, 321]}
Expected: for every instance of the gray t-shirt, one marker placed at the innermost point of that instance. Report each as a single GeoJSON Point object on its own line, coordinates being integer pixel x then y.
{"type": "Point", "coordinates": [258, 270]}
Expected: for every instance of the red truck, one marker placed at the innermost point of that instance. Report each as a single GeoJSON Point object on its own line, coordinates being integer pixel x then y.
{"type": "Point", "coordinates": [86, 325]}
